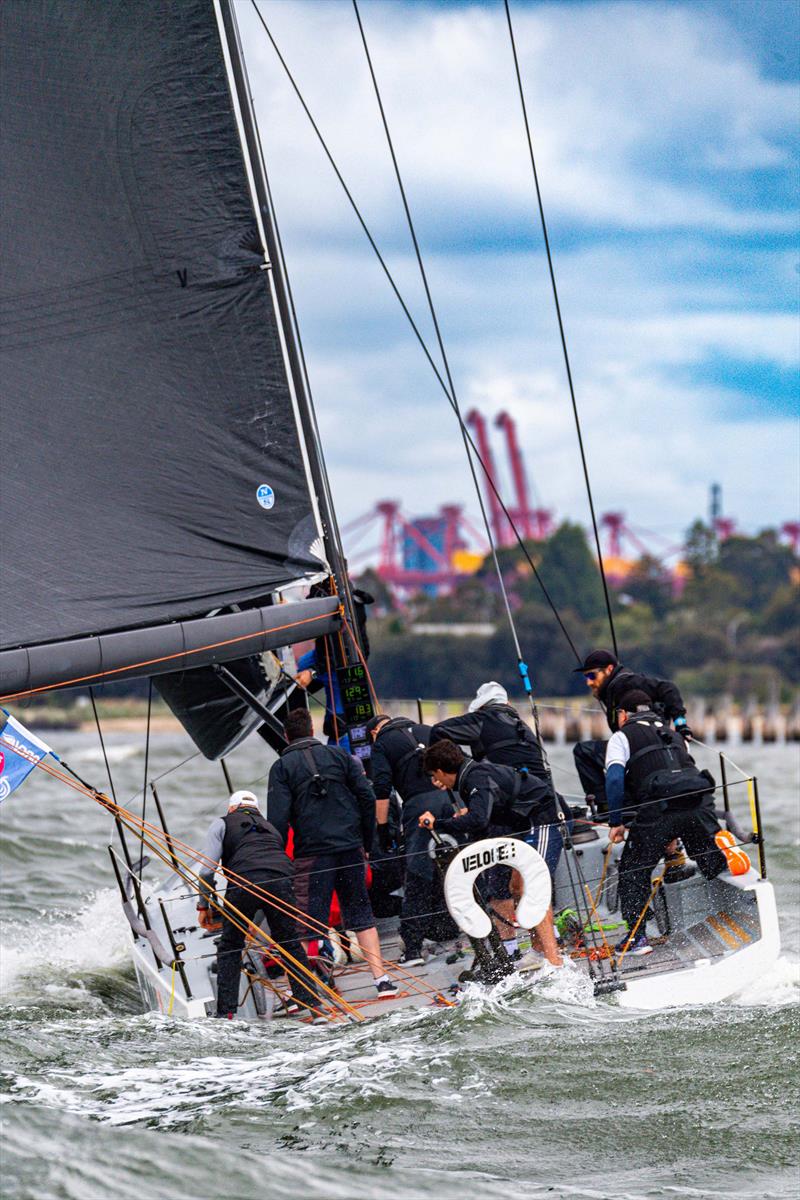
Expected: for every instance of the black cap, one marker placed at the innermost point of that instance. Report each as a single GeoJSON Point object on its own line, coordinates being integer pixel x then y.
{"type": "Point", "coordinates": [375, 721]}
{"type": "Point", "coordinates": [596, 660]}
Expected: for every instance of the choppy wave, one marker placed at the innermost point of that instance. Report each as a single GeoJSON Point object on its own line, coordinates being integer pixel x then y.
{"type": "Point", "coordinates": [114, 753]}
{"type": "Point", "coordinates": [36, 955]}
{"type": "Point", "coordinates": [777, 987]}
{"type": "Point", "coordinates": [533, 1089]}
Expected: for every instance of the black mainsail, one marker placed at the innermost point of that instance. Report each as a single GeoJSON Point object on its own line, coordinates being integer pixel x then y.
{"type": "Point", "coordinates": [161, 465]}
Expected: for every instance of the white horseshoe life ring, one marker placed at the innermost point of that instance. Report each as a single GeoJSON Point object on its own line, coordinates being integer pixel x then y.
{"type": "Point", "coordinates": [493, 852]}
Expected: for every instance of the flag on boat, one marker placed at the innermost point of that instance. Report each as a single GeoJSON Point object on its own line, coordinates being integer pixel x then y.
{"type": "Point", "coordinates": [20, 751]}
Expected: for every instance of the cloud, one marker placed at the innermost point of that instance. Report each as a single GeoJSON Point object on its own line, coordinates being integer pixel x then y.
{"type": "Point", "coordinates": [664, 157]}
{"type": "Point", "coordinates": [634, 109]}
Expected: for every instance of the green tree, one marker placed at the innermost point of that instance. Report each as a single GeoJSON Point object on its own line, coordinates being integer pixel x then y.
{"type": "Point", "coordinates": [782, 614]}
{"type": "Point", "coordinates": [570, 573]}
{"type": "Point", "coordinates": [760, 565]}
{"type": "Point", "coordinates": [649, 582]}
{"type": "Point", "coordinates": [701, 547]}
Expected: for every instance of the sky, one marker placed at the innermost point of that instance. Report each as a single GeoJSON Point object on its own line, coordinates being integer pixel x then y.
{"type": "Point", "coordinates": [666, 140]}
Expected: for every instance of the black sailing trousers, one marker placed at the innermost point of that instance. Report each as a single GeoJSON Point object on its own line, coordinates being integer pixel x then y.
{"type": "Point", "coordinates": [424, 912]}
{"type": "Point", "coordinates": [283, 929]}
{"type": "Point", "coordinates": [648, 837]}
{"type": "Point", "coordinates": [590, 763]}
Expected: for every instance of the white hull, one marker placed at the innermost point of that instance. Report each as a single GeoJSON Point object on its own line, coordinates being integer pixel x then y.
{"type": "Point", "coordinates": [712, 939]}
{"type": "Point", "coordinates": [711, 980]}
{"type": "Point", "coordinates": [720, 937]}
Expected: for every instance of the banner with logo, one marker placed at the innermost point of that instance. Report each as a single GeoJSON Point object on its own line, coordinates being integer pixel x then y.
{"type": "Point", "coordinates": [20, 751]}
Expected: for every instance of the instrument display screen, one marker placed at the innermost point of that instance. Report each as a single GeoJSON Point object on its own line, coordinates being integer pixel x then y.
{"type": "Point", "coordinates": [356, 695]}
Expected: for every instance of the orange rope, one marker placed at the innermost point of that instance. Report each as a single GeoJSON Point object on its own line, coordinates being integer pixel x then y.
{"type": "Point", "coordinates": [606, 860]}
{"type": "Point", "coordinates": [332, 692]}
{"type": "Point", "coordinates": [354, 640]}
{"type": "Point", "coordinates": [169, 841]}
{"type": "Point", "coordinates": [313, 926]}
{"type": "Point", "coordinates": [244, 924]}
{"type": "Point", "coordinates": [130, 821]}
{"type": "Point", "coordinates": [595, 900]}
{"type": "Point", "coordinates": [49, 687]}
{"type": "Point", "coordinates": [648, 902]}
{"type": "Point", "coordinates": [249, 928]}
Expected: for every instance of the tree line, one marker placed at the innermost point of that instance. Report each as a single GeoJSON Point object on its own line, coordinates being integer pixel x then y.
{"type": "Point", "coordinates": [732, 628]}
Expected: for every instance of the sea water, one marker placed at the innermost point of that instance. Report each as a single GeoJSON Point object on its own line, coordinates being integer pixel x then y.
{"type": "Point", "coordinates": [533, 1090]}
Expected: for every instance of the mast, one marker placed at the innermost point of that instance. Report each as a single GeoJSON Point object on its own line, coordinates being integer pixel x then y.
{"type": "Point", "coordinates": [281, 296]}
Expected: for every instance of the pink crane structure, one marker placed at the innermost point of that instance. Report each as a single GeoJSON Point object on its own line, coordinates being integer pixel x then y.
{"type": "Point", "coordinates": [535, 523]}
{"type": "Point", "coordinates": [501, 531]}
{"type": "Point", "coordinates": [531, 523]}
{"type": "Point", "coordinates": [791, 531]}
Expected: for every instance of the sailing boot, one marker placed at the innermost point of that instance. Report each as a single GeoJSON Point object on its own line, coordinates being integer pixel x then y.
{"type": "Point", "coordinates": [677, 865]}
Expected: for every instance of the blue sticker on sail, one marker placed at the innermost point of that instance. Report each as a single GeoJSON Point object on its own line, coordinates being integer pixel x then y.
{"type": "Point", "coordinates": [265, 496]}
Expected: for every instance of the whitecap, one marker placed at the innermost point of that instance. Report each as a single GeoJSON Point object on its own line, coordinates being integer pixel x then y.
{"type": "Point", "coordinates": [94, 938]}
{"type": "Point", "coordinates": [115, 754]}
{"type": "Point", "coordinates": [778, 986]}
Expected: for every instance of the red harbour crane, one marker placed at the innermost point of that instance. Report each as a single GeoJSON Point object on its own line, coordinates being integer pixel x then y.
{"type": "Point", "coordinates": [522, 514]}
{"type": "Point", "coordinates": [532, 523]}
{"type": "Point", "coordinates": [423, 552]}
{"type": "Point", "coordinates": [791, 531]}
{"type": "Point", "coordinates": [497, 520]}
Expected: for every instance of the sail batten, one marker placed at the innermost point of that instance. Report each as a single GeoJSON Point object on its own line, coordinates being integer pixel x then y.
{"type": "Point", "coordinates": [154, 464]}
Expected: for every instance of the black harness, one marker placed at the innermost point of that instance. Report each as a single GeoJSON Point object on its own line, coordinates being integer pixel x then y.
{"type": "Point", "coordinates": [315, 785]}
{"type": "Point", "coordinates": [508, 716]}
{"type": "Point", "coordinates": [416, 750]}
{"type": "Point", "coordinates": [670, 775]}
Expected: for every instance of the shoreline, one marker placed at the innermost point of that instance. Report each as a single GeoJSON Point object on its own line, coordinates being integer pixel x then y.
{"type": "Point", "coordinates": [561, 720]}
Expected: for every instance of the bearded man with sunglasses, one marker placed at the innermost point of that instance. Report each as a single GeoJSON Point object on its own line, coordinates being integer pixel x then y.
{"type": "Point", "coordinates": [609, 682]}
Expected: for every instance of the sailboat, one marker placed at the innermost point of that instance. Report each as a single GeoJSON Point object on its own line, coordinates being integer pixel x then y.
{"type": "Point", "coordinates": [169, 514]}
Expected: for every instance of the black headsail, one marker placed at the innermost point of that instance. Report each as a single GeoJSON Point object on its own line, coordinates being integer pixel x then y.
{"type": "Point", "coordinates": [159, 462]}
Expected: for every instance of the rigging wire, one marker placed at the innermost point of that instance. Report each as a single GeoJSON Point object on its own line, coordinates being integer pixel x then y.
{"type": "Point", "coordinates": [414, 327]}
{"type": "Point", "coordinates": [445, 361]}
{"type": "Point", "coordinates": [73, 780]}
{"type": "Point", "coordinates": [147, 744]}
{"type": "Point", "coordinates": [561, 329]}
{"type": "Point", "coordinates": [522, 666]}
{"type": "Point", "coordinates": [281, 288]}
{"type": "Point", "coordinates": [117, 822]}
{"type": "Point", "coordinates": [144, 831]}
{"type": "Point", "coordinates": [102, 744]}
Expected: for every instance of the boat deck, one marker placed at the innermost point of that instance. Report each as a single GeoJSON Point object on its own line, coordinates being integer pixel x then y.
{"type": "Point", "coordinates": [697, 924]}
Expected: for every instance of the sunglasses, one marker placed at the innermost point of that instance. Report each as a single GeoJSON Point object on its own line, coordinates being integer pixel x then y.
{"type": "Point", "coordinates": [591, 674]}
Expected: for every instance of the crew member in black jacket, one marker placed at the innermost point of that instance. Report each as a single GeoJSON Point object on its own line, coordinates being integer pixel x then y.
{"type": "Point", "coordinates": [396, 764]}
{"type": "Point", "coordinates": [608, 682]}
{"type": "Point", "coordinates": [498, 801]}
{"type": "Point", "coordinates": [657, 793]}
{"type": "Point", "coordinates": [323, 793]}
{"type": "Point", "coordinates": [494, 731]}
{"type": "Point", "coordinates": [247, 845]}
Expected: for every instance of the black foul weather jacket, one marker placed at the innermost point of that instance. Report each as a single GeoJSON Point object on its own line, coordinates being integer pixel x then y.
{"type": "Point", "coordinates": [397, 759]}
{"type": "Point", "coordinates": [498, 796]}
{"type": "Point", "coordinates": [496, 733]}
{"type": "Point", "coordinates": [666, 699]}
{"type": "Point", "coordinates": [324, 795]}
